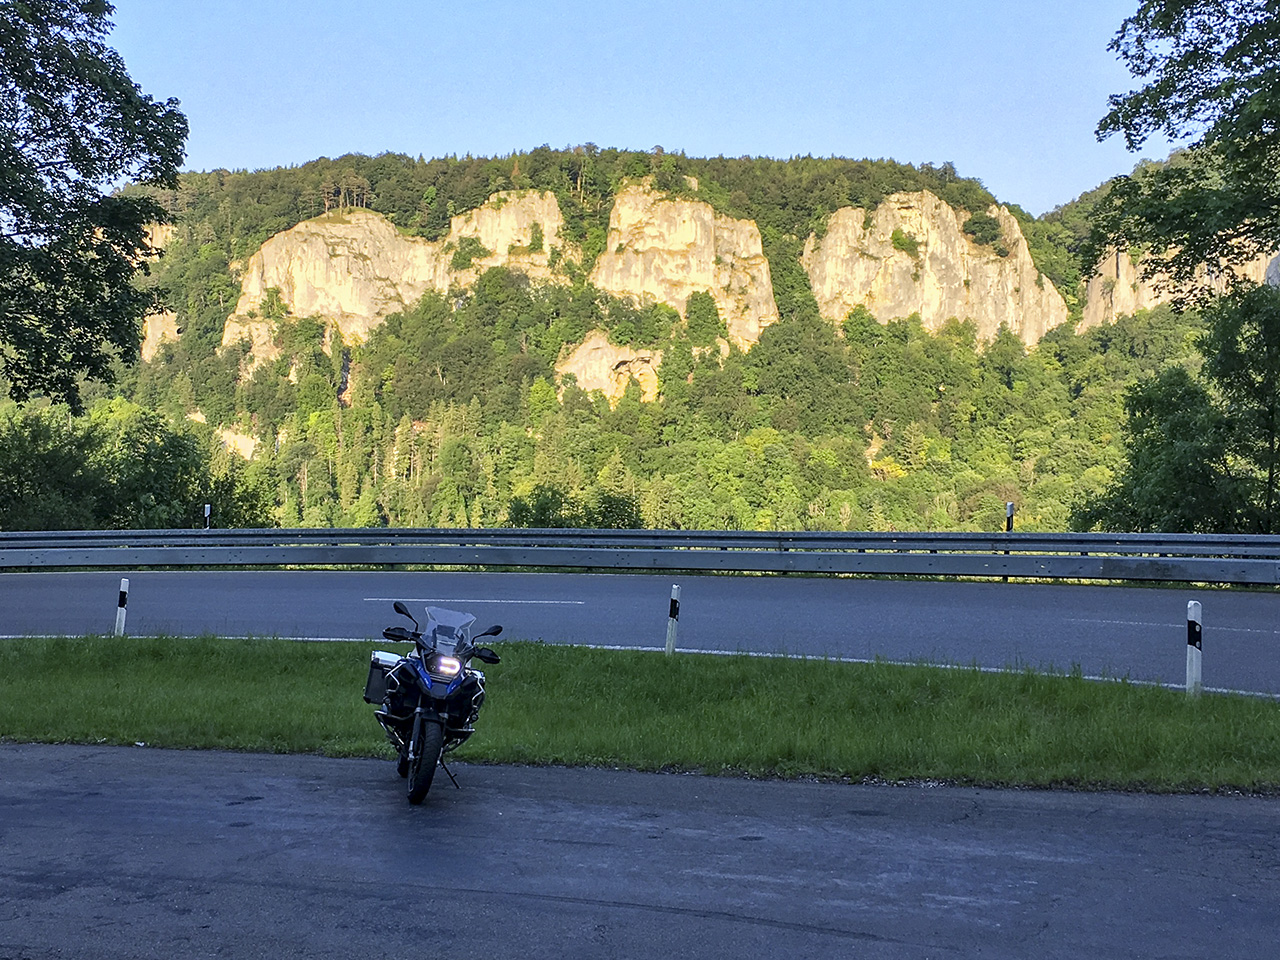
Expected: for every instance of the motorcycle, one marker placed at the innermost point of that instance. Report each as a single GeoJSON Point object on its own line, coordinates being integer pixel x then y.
{"type": "Point", "coordinates": [428, 699]}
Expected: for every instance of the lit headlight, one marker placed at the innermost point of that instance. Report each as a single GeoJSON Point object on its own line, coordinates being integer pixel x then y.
{"type": "Point", "coordinates": [446, 666]}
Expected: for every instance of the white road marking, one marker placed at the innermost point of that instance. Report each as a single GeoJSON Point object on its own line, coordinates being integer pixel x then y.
{"type": "Point", "coordinates": [563, 603]}
{"type": "Point", "coordinates": [1171, 626]}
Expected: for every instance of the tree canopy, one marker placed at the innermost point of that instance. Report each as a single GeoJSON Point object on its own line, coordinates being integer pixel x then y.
{"type": "Point", "coordinates": [1202, 452]}
{"type": "Point", "coordinates": [73, 126]}
{"type": "Point", "coordinates": [1211, 72]}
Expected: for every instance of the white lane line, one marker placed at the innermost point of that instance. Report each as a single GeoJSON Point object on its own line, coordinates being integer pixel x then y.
{"type": "Point", "coordinates": [1171, 626]}
{"type": "Point", "coordinates": [563, 603]}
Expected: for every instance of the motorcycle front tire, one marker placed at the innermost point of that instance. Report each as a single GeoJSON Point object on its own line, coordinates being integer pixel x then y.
{"type": "Point", "coordinates": [423, 769]}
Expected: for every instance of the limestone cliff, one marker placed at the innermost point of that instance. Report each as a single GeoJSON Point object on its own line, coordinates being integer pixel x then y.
{"type": "Point", "coordinates": [1118, 287]}
{"type": "Point", "coordinates": [158, 328]}
{"type": "Point", "coordinates": [934, 268]}
{"type": "Point", "coordinates": [353, 267]}
{"type": "Point", "coordinates": [242, 444]}
{"type": "Point", "coordinates": [597, 364]}
{"type": "Point", "coordinates": [666, 250]}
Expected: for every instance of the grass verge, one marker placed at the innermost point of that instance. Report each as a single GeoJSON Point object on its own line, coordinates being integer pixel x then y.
{"type": "Point", "coordinates": [741, 715]}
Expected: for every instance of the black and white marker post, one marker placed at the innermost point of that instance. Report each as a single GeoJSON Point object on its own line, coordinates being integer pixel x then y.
{"type": "Point", "coordinates": [208, 516]}
{"type": "Point", "coordinates": [124, 602]}
{"type": "Point", "coordinates": [673, 617]}
{"type": "Point", "coordinates": [1008, 524]}
{"type": "Point", "coordinates": [1194, 649]}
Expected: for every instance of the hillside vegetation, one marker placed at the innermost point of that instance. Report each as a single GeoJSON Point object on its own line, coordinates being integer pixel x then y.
{"type": "Point", "coordinates": [451, 414]}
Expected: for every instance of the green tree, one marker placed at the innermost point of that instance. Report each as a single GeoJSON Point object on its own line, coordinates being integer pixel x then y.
{"type": "Point", "coordinates": [614, 511]}
{"type": "Point", "coordinates": [120, 467]}
{"type": "Point", "coordinates": [1242, 359]}
{"type": "Point", "coordinates": [1178, 477]}
{"type": "Point", "coordinates": [703, 321]}
{"type": "Point", "coordinates": [546, 506]}
{"type": "Point", "coordinates": [984, 228]}
{"type": "Point", "coordinates": [1211, 79]}
{"type": "Point", "coordinates": [73, 125]}
{"type": "Point", "coordinates": [51, 476]}
{"type": "Point", "coordinates": [1213, 72]}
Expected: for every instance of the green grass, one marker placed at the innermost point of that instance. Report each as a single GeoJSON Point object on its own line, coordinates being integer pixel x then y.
{"type": "Point", "coordinates": [743, 715]}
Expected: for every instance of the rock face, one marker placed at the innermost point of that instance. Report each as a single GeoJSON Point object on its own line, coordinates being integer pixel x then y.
{"type": "Point", "coordinates": [158, 328]}
{"type": "Point", "coordinates": [665, 250]}
{"type": "Point", "coordinates": [597, 364]}
{"type": "Point", "coordinates": [935, 269]}
{"type": "Point", "coordinates": [1118, 287]}
{"type": "Point", "coordinates": [241, 444]}
{"type": "Point", "coordinates": [354, 268]}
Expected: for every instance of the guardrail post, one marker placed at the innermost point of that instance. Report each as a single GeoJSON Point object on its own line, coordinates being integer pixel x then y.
{"type": "Point", "coordinates": [123, 602]}
{"type": "Point", "coordinates": [1194, 649]}
{"type": "Point", "coordinates": [673, 617]}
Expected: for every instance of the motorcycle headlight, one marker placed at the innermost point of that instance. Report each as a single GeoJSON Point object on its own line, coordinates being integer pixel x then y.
{"type": "Point", "coordinates": [446, 666]}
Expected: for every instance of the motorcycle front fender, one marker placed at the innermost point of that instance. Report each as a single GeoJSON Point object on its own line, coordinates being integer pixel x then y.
{"type": "Point", "coordinates": [423, 715]}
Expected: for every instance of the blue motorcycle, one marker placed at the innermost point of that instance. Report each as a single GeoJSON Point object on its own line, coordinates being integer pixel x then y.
{"type": "Point", "coordinates": [428, 699]}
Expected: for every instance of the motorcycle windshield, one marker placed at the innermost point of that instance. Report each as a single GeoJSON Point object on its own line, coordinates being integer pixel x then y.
{"type": "Point", "coordinates": [448, 628]}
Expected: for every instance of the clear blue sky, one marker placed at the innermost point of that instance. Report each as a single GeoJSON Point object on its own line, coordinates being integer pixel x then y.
{"type": "Point", "coordinates": [1008, 90]}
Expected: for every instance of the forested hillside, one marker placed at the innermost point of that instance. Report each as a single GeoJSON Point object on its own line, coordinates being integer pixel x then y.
{"type": "Point", "coordinates": [451, 414]}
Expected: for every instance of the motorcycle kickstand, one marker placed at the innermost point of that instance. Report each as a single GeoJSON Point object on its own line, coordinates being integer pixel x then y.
{"type": "Point", "coordinates": [446, 769]}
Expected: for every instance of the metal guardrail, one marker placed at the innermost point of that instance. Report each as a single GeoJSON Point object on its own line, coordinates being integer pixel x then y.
{"type": "Point", "coordinates": [1239, 559]}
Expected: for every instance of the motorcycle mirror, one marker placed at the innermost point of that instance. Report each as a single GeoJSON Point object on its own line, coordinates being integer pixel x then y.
{"type": "Point", "coordinates": [401, 609]}
{"type": "Point", "coordinates": [491, 632]}
{"type": "Point", "coordinates": [486, 655]}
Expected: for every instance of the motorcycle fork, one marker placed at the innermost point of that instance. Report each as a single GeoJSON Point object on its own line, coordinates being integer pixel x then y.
{"type": "Point", "coordinates": [415, 741]}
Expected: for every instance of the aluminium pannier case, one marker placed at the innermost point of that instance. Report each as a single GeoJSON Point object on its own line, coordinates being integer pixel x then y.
{"type": "Point", "coordinates": [375, 688]}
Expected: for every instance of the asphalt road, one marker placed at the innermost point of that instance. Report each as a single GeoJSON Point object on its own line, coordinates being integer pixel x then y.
{"type": "Point", "coordinates": [1107, 631]}
{"type": "Point", "coordinates": [138, 853]}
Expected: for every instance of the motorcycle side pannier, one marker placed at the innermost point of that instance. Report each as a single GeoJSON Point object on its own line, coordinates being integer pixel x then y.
{"type": "Point", "coordinates": [375, 688]}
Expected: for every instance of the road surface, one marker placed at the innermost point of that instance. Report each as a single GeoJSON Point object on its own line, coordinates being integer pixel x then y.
{"type": "Point", "coordinates": [1107, 631]}
{"type": "Point", "coordinates": [110, 853]}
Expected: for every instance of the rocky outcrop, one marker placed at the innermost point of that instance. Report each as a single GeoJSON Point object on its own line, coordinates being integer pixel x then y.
{"type": "Point", "coordinates": [159, 235]}
{"type": "Point", "coordinates": [158, 328]}
{"type": "Point", "coordinates": [666, 250]}
{"type": "Point", "coordinates": [1118, 288]}
{"type": "Point", "coordinates": [353, 267]}
{"type": "Point", "coordinates": [241, 444]}
{"type": "Point", "coordinates": [910, 255]}
{"type": "Point", "coordinates": [597, 364]}
{"type": "Point", "coordinates": [934, 269]}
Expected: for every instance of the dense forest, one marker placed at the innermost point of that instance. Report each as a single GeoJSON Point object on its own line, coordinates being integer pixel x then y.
{"type": "Point", "coordinates": [451, 414]}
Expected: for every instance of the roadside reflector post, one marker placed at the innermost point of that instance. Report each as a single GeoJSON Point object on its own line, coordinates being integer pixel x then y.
{"type": "Point", "coordinates": [1008, 524]}
{"type": "Point", "coordinates": [673, 617]}
{"type": "Point", "coordinates": [124, 602]}
{"type": "Point", "coordinates": [208, 515]}
{"type": "Point", "coordinates": [1195, 651]}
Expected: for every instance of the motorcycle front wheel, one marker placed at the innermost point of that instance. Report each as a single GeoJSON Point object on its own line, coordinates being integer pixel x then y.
{"type": "Point", "coordinates": [423, 769]}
